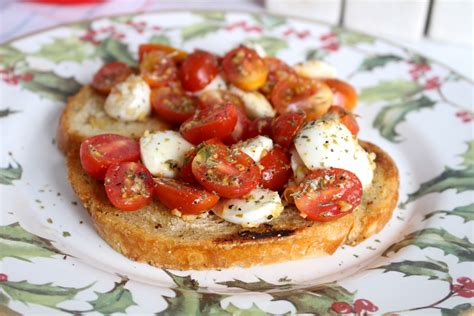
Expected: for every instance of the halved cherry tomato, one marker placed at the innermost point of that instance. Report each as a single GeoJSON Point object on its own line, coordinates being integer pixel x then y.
{"type": "Point", "coordinates": [97, 153]}
{"type": "Point", "coordinates": [227, 171]}
{"type": "Point", "coordinates": [244, 68]}
{"type": "Point", "coordinates": [188, 199]}
{"type": "Point", "coordinates": [295, 94]}
{"type": "Point", "coordinates": [129, 185]}
{"type": "Point", "coordinates": [198, 70]}
{"type": "Point", "coordinates": [158, 68]}
{"type": "Point", "coordinates": [259, 126]}
{"type": "Point", "coordinates": [285, 127]}
{"type": "Point", "coordinates": [277, 70]}
{"type": "Point", "coordinates": [172, 104]}
{"type": "Point", "coordinates": [210, 123]}
{"type": "Point", "coordinates": [215, 99]}
{"type": "Point", "coordinates": [344, 94]}
{"type": "Point", "coordinates": [186, 170]}
{"type": "Point", "coordinates": [110, 75]}
{"type": "Point", "coordinates": [176, 54]}
{"type": "Point", "coordinates": [346, 118]}
{"type": "Point", "coordinates": [327, 194]}
{"type": "Point", "coordinates": [276, 169]}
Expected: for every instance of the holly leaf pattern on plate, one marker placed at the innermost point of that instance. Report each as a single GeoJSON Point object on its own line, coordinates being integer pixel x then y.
{"type": "Point", "coordinates": [111, 50]}
{"type": "Point", "coordinates": [271, 45]}
{"type": "Point", "coordinates": [376, 61]}
{"type": "Point", "coordinates": [9, 56]}
{"type": "Point", "coordinates": [49, 85]}
{"type": "Point", "coordinates": [212, 15]}
{"type": "Point", "coordinates": [117, 300]}
{"type": "Point", "coordinates": [10, 173]}
{"type": "Point", "coordinates": [347, 37]}
{"type": "Point", "coordinates": [389, 90]}
{"type": "Point", "coordinates": [6, 112]}
{"type": "Point", "coordinates": [42, 294]}
{"type": "Point", "coordinates": [461, 309]}
{"type": "Point", "coordinates": [160, 39]}
{"type": "Point", "coordinates": [315, 53]}
{"type": "Point", "coordinates": [254, 310]}
{"type": "Point", "coordinates": [438, 238]}
{"type": "Point", "coordinates": [466, 212]}
{"type": "Point", "coordinates": [269, 21]}
{"type": "Point", "coordinates": [68, 48]}
{"type": "Point", "coordinates": [434, 270]}
{"type": "Point", "coordinates": [390, 116]}
{"type": "Point", "coordinates": [256, 286]}
{"type": "Point", "coordinates": [459, 180]}
{"type": "Point", "coordinates": [15, 242]}
{"type": "Point", "coordinates": [200, 29]}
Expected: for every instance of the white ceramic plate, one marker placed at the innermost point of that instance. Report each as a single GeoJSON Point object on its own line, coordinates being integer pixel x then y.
{"type": "Point", "coordinates": [417, 110]}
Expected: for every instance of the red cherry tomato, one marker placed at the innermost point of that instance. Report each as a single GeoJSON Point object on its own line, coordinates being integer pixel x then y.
{"type": "Point", "coordinates": [172, 104]}
{"type": "Point", "coordinates": [209, 123]}
{"type": "Point", "coordinates": [188, 199]}
{"type": "Point", "coordinates": [327, 194]}
{"type": "Point", "coordinates": [344, 94]}
{"type": "Point", "coordinates": [240, 129]}
{"type": "Point", "coordinates": [276, 169]}
{"type": "Point", "coordinates": [346, 118]}
{"type": "Point", "coordinates": [285, 127]}
{"type": "Point", "coordinates": [302, 94]}
{"type": "Point", "coordinates": [260, 126]}
{"type": "Point", "coordinates": [158, 68]}
{"type": "Point", "coordinates": [244, 68]}
{"type": "Point", "coordinates": [97, 153]}
{"type": "Point", "coordinates": [110, 75]}
{"type": "Point", "coordinates": [175, 53]}
{"type": "Point", "coordinates": [198, 70]}
{"type": "Point", "coordinates": [277, 70]}
{"type": "Point", "coordinates": [227, 171]}
{"type": "Point", "coordinates": [186, 170]}
{"type": "Point", "coordinates": [129, 185]}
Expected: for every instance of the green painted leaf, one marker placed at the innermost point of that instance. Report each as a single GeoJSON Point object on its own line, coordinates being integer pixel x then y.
{"type": "Point", "coordinates": [188, 302]}
{"type": "Point", "coordinates": [434, 270]}
{"type": "Point", "coordinates": [9, 56]}
{"type": "Point", "coordinates": [214, 15]}
{"type": "Point", "coordinates": [10, 173]}
{"type": "Point", "coordinates": [43, 294]}
{"type": "Point", "coordinates": [390, 116]}
{"type": "Point", "coordinates": [389, 90]}
{"type": "Point", "coordinates": [352, 38]}
{"type": "Point", "coordinates": [49, 85]}
{"type": "Point", "coordinates": [111, 50]}
{"type": "Point", "coordinates": [7, 111]}
{"type": "Point", "coordinates": [317, 54]}
{"type": "Point", "coordinates": [317, 299]}
{"type": "Point", "coordinates": [68, 48]}
{"type": "Point", "coordinates": [257, 286]}
{"type": "Point", "coordinates": [4, 309]}
{"type": "Point", "coordinates": [439, 238]}
{"type": "Point", "coordinates": [254, 310]}
{"type": "Point", "coordinates": [462, 309]}
{"type": "Point", "coordinates": [459, 180]}
{"type": "Point", "coordinates": [117, 300]}
{"type": "Point", "coordinates": [271, 45]}
{"type": "Point", "coordinates": [468, 156]}
{"type": "Point", "coordinates": [466, 212]}
{"type": "Point", "coordinates": [376, 61]}
{"type": "Point", "coordinates": [160, 39]}
{"type": "Point", "coordinates": [15, 242]}
{"type": "Point", "coordinates": [269, 21]}
{"type": "Point", "coordinates": [200, 29]}
{"type": "Point", "coordinates": [183, 282]}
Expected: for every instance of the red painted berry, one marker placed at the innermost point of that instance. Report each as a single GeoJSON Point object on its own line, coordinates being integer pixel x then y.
{"type": "Point", "coordinates": [464, 280]}
{"type": "Point", "coordinates": [466, 293]}
{"type": "Point", "coordinates": [342, 308]}
{"type": "Point", "coordinates": [364, 305]}
{"type": "Point", "coordinates": [3, 277]}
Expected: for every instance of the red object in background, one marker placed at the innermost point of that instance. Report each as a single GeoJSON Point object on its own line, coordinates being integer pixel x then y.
{"type": "Point", "coordinates": [67, 2]}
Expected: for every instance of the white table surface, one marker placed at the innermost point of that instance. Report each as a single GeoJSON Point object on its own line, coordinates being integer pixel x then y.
{"type": "Point", "coordinates": [21, 17]}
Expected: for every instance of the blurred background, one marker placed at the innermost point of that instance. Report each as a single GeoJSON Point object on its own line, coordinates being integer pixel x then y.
{"type": "Point", "coordinates": [440, 29]}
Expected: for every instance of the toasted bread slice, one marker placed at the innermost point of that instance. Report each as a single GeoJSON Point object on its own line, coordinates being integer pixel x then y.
{"type": "Point", "coordinates": [84, 116]}
{"type": "Point", "coordinates": [153, 235]}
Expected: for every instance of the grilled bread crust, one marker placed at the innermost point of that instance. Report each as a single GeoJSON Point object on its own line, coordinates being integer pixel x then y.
{"type": "Point", "coordinates": [155, 236]}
